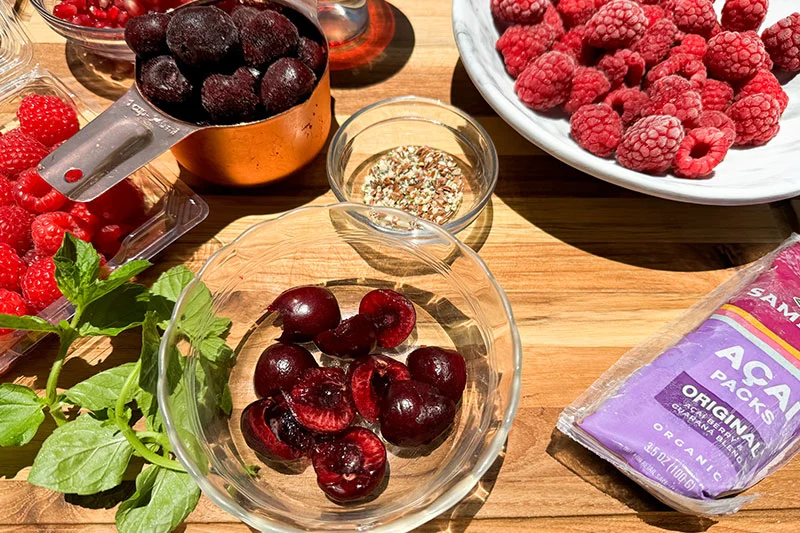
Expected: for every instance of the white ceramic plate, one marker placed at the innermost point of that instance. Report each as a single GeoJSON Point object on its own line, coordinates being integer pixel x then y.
{"type": "Point", "coordinates": [746, 176]}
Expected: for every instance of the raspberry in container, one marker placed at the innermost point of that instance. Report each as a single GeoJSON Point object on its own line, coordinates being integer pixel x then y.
{"type": "Point", "coordinates": [135, 221]}
{"type": "Point", "coordinates": [711, 406]}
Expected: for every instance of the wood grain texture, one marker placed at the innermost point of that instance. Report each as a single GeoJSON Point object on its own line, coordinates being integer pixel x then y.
{"type": "Point", "coordinates": [591, 270]}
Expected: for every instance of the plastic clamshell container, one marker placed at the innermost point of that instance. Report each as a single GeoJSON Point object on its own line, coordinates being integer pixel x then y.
{"type": "Point", "coordinates": [172, 208]}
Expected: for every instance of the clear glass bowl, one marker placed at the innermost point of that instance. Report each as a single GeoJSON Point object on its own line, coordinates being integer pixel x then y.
{"type": "Point", "coordinates": [459, 305]}
{"type": "Point", "coordinates": [105, 42]}
{"type": "Point", "coordinates": [413, 120]}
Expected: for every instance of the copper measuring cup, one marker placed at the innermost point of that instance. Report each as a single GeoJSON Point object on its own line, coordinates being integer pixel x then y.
{"type": "Point", "coordinates": [132, 132]}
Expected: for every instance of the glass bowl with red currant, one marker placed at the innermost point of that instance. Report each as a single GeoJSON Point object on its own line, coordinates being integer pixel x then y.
{"type": "Point", "coordinates": [326, 372]}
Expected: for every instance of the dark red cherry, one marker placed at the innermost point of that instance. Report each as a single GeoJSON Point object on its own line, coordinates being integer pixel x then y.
{"type": "Point", "coordinates": [279, 368]}
{"type": "Point", "coordinates": [444, 369]}
{"type": "Point", "coordinates": [271, 430]}
{"type": "Point", "coordinates": [351, 466]}
{"type": "Point", "coordinates": [306, 312]}
{"type": "Point", "coordinates": [321, 401]}
{"type": "Point", "coordinates": [369, 380]}
{"type": "Point", "coordinates": [415, 413]}
{"type": "Point", "coordinates": [353, 337]}
{"type": "Point", "coordinates": [392, 313]}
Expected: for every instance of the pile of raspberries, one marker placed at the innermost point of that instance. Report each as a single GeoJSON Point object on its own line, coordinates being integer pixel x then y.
{"type": "Point", "coordinates": [661, 84]}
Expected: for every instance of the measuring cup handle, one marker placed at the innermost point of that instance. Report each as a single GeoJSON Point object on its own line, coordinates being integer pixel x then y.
{"type": "Point", "coordinates": [121, 140]}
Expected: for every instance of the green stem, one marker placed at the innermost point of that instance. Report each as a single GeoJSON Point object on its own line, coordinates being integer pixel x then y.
{"type": "Point", "coordinates": [67, 338]}
{"type": "Point", "coordinates": [128, 432]}
{"type": "Point", "coordinates": [155, 436]}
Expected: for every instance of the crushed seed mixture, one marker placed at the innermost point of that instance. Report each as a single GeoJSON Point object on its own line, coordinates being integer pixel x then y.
{"type": "Point", "coordinates": [420, 180]}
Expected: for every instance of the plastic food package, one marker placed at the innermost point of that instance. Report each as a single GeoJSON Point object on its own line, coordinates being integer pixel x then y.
{"type": "Point", "coordinates": [711, 406]}
{"type": "Point", "coordinates": [171, 208]}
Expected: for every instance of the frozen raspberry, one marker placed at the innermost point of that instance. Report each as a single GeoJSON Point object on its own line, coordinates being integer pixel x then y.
{"type": "Point", "coordinates": [654, 13]}
{"type": "Point", "coordinates": [720, 121]}
{"type": "Point", "coordinates": [312, 54]}
{"type": "Point", "coordinates": [15, 227]}
{"type": "Point", "coordinates": [716, 95]}
{"type": "Point", "coordinates": [108, 239]}
{"type": "Point", "coordinates": [700, 152]}
{"type": "Point", "coordinates": [147, 34]}
{"type": "Point", "coordinates": [522, 44]}
{"type": "Point", "coordinates": [19, 152]}
{"type": "Point", "coordinates": [121, 203]}
{"type": "Point", "coordinates": [734, 56]}
{"type": "Point", "coordinates": [47, 231]}
{"type": "Point", "coordinates": [577, 12]}
{"type": "Point", "coordinates": [757, 119]}
{"type": "Point", "coordinates": [684, 65]}
{"type": "Point", "coordinates": [673, 95]}
{"type": "Point", "coordinates": [11, 268]}
{"type": "Point", "coordinates": [6, 191]}
{"type": "Point", "coordinates": [650, 144]}
{"type": "Point", "coordinates": [691, 44]}
{"type": "Point", "coordinates": [164, 83]}
{"type": "Point", "coordinates": [694, 16]}
{"type": "Point", "coordinates": [656, 42]}
{"type": "Point", "coordinates": [764, 82]}
{"type": "Point", "coordinates": [623, 67]}
{"type": "Point", "coordinates": [547, 82]}
{"type": "Point", "coordinates": [588, 86]}
{"type": "Point", "coordinates": [268, 37]}
{"type": "Point", "coordinates": [618, 24]}
{"type": "Point", "coordinates": [48, 119]}
{"type": "Point", "coordinates": [230, 99]}
{"type": "Point", "coordinates": [286, 83]}
{"type": "Point", "coordinates": [203, 37]}
{"type": "Point", "coordinates": [553, 19]}
{"type": "Point", "coordinates": [519, 11]}
{"type": "Point", "coordinates": [782, 42]}
{"type": "Point", "coordinates": [744, 15]}
{"type": "Point", "coordinates": [35, 194]}
{"type": "Point", "coordinates": [597, 129]}
{"type": "Point", "coordinates": [11, 303]}
{"type": "Point", "coordinates": [629, 103]}
{"type": "Point", "coordinates": [39, 284]}
{"type": "Point", "coordinates": [572, 44]}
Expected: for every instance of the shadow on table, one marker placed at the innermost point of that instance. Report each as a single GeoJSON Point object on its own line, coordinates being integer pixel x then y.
{"type": "Point", "coordinates": [608, 480]}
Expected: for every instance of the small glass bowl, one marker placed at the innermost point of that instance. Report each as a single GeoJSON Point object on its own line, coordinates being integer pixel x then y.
{"type": "Point", "coordinates": [105, 42]}
{"type": "Point", "coordinates": [459, 305]}
{"type": "Point", "coordinates": [413, 120]}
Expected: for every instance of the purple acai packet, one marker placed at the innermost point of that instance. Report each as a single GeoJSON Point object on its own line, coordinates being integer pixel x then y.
{"type": "Point", "coordinates": [718, 410]}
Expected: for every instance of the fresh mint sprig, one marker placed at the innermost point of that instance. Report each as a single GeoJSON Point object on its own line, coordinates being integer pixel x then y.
{"type": "Point", "coordinates": [90, 453]}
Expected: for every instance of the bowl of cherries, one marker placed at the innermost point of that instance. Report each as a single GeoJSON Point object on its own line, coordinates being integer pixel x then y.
{"type": "Point", "coordinates": [323, 372]}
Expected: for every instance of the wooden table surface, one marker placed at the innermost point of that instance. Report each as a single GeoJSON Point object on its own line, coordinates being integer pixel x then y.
{"type": "Point", "coordinates": [591, 269]}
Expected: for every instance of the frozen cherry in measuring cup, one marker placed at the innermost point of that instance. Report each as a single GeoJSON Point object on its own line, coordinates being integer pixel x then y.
{"type": "Point", "coordinates": [147, 34]}
{"type": "Point", "coordinates": [351, 466]}
{"type": "Point", "coordinates": [392, 313]}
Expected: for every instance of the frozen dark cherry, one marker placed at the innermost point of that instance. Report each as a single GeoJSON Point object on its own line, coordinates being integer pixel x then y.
{"type": "Point", "coordinates": [230, 99]}
{"type": "Point", "coordinates": [392, 313]}
{"type": "Point", "coordinates": [286, 83]}
{"type": "Point", "coordinates": [242, 15]}
{"type": "Point", "coordinates": [444, 369]}
{"type": "Point", "coordinates": [351, 466]}
{"type": "Point", "coordinates": [306, 312]}
{"type": "Point", "coordinates": [321, 401]}
{"type": "Point", "coordinates": [312, 54]}
{"type": "Point", "coordinates": [369, 381]}
{"type": "Point", "coordinates": [270, 429]}
{"type": "Point", "coordinates": [353, 337]}
{"type": "Point", "coordinates": [147, 35]}
{"type": "Point", "coordinates": [279, 368]}
{"type": "Point", "coordinates": [414, 413]}
{"type": "Point", "coordinates": [163, 82]}
{"type": "Point", "coordinates": [268, 36]}
{"type": "Point", "coordinates": [203, 37]}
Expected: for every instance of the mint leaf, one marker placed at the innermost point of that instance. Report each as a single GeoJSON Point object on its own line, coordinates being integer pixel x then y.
{"type": "Point", "coordinates": [118, 277]}
{"type": "Point", "coordinates": [121, 309]}
{"type": "Point", "coordinates": [101, 390]}
{"type": "Point", "coordinates": [163, 499]}
{"type": "Point", "coordinates": [167, 289]}
{"type": "Point", "coordinates": [20, 414]}
{"type": "Point", "coordinates": [198, 321]}
{"type": "Point", "coordinates": [81, 457]}
{"type": "Point", "coordinates": [77, 266]}
{"type": "Point", "coordinates": [151, 341]}
{"type": "Point", "coordinates": [215, 349]}
{"type": "Point", "coordinates": [26, 323]}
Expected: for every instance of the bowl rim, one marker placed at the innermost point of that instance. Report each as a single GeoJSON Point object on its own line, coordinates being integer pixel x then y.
{"type": "Point", "coordinates": [492, 162]}
{"type": "Point", "coordinates": [418, 516]}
